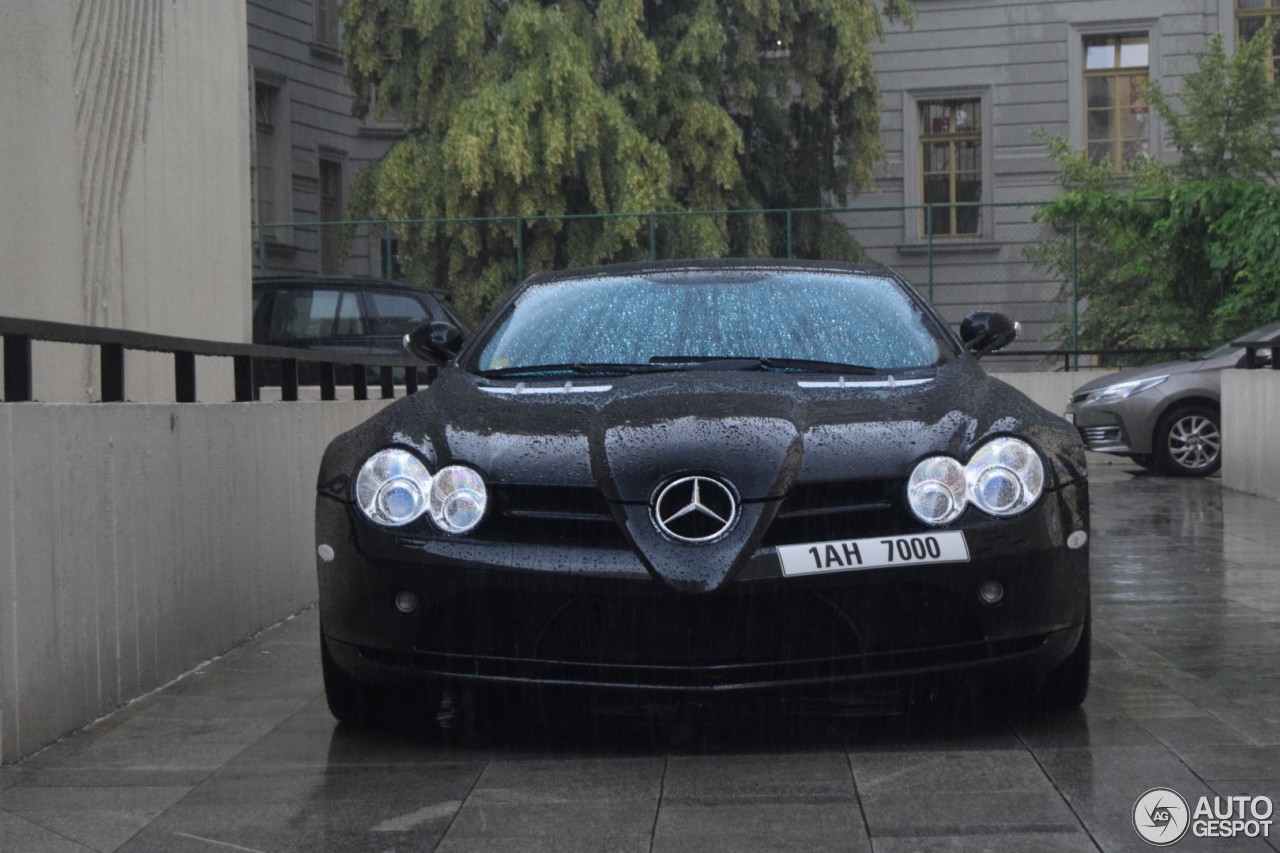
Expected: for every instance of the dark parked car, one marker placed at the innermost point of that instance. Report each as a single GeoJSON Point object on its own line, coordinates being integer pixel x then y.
{"type": "Point", "coordinates": [369, 316]}
{"type": "Point", "coordinates": [706, 478]}
{"type": "Point", "coordinates": [1163, 416]}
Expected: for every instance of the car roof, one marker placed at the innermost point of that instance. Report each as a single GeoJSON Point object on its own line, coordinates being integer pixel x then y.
{"type": "Point", "coordinates": [711, 265]}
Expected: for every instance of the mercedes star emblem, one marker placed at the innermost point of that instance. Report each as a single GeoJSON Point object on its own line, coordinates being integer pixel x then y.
{"type": "Point", "coordinates": [695, 509]}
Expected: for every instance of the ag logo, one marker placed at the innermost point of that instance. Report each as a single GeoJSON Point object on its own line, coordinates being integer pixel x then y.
{"type": "Point", "coordinates": [1161, 816]}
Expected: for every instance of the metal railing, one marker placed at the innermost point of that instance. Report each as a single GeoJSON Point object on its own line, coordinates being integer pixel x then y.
{"type": "Point", "coordinates": [18, 335]}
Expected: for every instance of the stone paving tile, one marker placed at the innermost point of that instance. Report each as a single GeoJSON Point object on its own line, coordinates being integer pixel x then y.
{"type": "Point", "coordinates": [340, 827]}
{"type": "Point", "coordinates": [18, 834]}
{"type": "Point", "coordinates": [1204, 730]}
{"type": "Point", "coordinates": [1083, 729]}
{"type": "Point", "coordinates": [950, 794]}
{"type": "Point", "coordinates": [591, 819]}
{"type": "Point", "coordinates": [293, 784]}
{"type": "Point", "coordinates": [1013, 842]}
{"type": "Point", "coordinates": [99, 818]}
{"type": "Point", "coordinates": [1232, 762]}
{"type": "Point", "coordinates": [691, 824]}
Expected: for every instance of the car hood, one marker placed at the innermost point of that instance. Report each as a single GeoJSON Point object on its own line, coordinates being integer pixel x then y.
{"type": "Point", "coordinates": [1164, 368]}
{"type": "Point", "coordinates": [763, 432]}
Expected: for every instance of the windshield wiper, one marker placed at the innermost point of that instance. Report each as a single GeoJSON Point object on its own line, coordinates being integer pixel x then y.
{"type": "Point", "coordinates": [735, 362]}
{"type": "Point", "coordinates": [576, 369]}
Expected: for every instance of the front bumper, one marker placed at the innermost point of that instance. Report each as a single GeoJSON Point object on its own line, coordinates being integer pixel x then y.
{"type": "Point", "coordinates": [596, 620]}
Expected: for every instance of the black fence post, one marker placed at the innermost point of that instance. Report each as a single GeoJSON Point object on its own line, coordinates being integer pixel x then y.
{"type": "Point", "coordinates": [289, 379]}
{"type": "Point", "coordinates": [17, 368]}
{"type": "Point", "coordinates": [243, 365]}
{"type": "Point", "coordinates": [184, 377]}
{"type": "Point", "coordinates": [359, 382]}
{"type": "Point", "coordinates": [328, 385]}
{"type": "Point", "coordinates": [111, 361]}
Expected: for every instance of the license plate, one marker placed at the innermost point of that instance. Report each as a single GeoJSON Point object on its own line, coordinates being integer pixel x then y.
{"type": "Point", "coordinates": [877, 552]}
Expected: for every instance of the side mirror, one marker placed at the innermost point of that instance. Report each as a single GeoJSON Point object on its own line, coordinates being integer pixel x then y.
{"type": "Point", "coordinates": [985, 331]}
{"type": "Point", "coordinates": [436, 342]}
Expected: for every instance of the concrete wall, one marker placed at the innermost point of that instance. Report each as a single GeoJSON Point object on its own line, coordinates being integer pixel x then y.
{"type": "Point", "coordinates": [124, 178]}
{"type": "Point", "coordinates": [138, 540]}
{"type": "Point", "coordinates": [1250, 413]}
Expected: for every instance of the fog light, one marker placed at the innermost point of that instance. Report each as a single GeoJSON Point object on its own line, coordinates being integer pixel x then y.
{"type": "Point", "coordinates": [1077, 540]}
{"type": "Point", "coordinates": [406, 602]}
{"type": "Point", "coordinates": [991, 592]}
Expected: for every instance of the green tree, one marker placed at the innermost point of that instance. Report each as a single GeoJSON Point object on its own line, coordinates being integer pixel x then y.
{"type": "Point", "coordinates": [1182, 254]}
{"type": "Point", "coordinates": [536, 109]}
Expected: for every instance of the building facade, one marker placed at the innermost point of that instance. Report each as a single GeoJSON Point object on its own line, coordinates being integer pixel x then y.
{"type": "Point", "coordinates": [968, 92]}
{"type": "Point", "coordinates": [306, 147]}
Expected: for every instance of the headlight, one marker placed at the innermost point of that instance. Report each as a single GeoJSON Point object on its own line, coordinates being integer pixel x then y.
{"type": "Point", "coordinates": [457, 500]}
{"type": "Point", "coordinates": [392, 486]}
{"type": "Point", "coordinates": [1004, 477]}
{"type": "Point", "coordinates": [1122, 390]}
{"type": "Point", "coordinates": [937, 490]}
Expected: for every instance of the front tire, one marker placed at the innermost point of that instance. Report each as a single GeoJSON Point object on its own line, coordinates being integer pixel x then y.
{"type": "Point", "coordinates": [1188, 442]}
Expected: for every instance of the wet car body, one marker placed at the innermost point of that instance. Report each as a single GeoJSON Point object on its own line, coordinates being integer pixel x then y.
{"type": "Point", "coordinates": [581, 575]}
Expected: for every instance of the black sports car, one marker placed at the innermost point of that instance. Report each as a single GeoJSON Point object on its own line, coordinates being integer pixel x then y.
{"type": "Point", "coordinates": [705, 477]}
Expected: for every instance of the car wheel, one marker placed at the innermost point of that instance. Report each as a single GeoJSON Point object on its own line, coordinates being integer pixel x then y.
{"type": "Point", "coordinates": [1067, 684]}
{"type": "Point", "coordinates": [1189, 442]}
{"type": "Point", "coordinates": [350, 701]}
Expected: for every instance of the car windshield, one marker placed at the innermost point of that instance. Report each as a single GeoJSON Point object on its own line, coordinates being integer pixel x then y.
{"type": "Point", "coordinates": [792, 320]}
{"type": "Point", "coordinates": [1262, 333]}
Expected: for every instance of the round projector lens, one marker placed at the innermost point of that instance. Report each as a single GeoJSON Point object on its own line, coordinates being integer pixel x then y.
{"type": "Point", "coordinates": [391, 488]}
{"type": "Point", "coordinates": [936, 490]}
{"type": "Point", "coordinates": [997, 490]}
{"type": "Point", "coordinates": [1005, 476]}
{"type": "Point", "coordinates": [458, 499]}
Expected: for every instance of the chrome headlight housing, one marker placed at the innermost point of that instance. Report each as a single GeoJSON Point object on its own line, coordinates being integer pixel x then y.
{"type": "Point", "coordinates": [457, 499]}
{"type": "Point", "coordinates": [937, 491]}
{"type": "Point", "coordinates": [1004, 477]}
{"type": "Point", "coordinates": [1123, 390]}
{"type": "Point", "coordinates": [394, 488]}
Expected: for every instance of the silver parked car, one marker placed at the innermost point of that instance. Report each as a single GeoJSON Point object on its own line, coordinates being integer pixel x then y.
{"type": "Point", "coordinates": [1162, 416]}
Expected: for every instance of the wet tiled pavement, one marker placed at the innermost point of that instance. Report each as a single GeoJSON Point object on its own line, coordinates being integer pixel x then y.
{"type": "Point", "coordinates": [1185, 694]}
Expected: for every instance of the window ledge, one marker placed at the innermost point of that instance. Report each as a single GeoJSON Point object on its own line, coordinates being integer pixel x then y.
{"type": "Point", "coordinates": [327, 52]}
{"type": "Point", "coordinates": [276, 249]}
{"type": "Point", "coordinates": [951, 246]}
{"type": "Point", "coordinates": [389, 131]}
